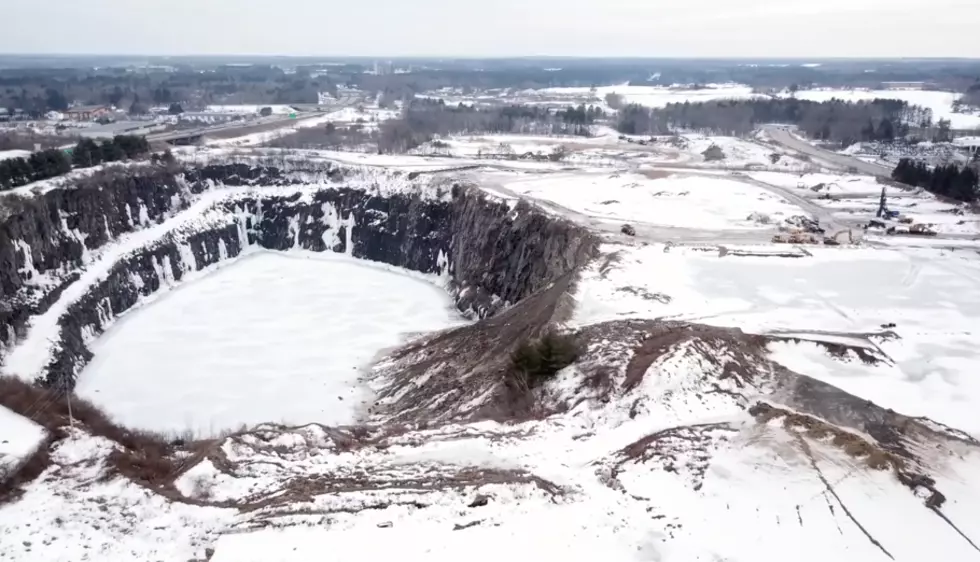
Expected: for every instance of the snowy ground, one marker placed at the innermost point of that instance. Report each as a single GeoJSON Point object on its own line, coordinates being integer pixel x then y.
{"type": "Point", "coordinates": [651, 96]}
{"type": "Point", "coordinates": [888, 154]}
{"type": "Point", "coordinates": [933, 296]}
{"type": "Point", "coordinates": [609, 149]}
{"type": "Point", "coordinates": [673, 469]}
{"type": "Point", "coordinates": [268, 338]}
{"type": "Point", "coordinates": [681, 200]}
{"type": "Point", "coordinates": [19, 437]}
{"type": "Point", "coordinates": [855, 198]}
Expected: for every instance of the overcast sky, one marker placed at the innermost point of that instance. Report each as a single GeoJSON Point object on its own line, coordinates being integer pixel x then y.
{"type": "Point", "coordinates": [661, 28]}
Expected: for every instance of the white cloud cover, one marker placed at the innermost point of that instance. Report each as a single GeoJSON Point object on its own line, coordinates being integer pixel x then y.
{"type": "Point", "coordinates": [661, 28]}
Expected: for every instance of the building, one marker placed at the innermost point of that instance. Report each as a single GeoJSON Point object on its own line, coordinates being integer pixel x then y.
{"type": "Point", "coordinates": [87, 112]}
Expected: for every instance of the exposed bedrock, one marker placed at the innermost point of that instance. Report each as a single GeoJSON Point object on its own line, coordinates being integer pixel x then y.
{"type": "Point", "coordinates": [491, 253]}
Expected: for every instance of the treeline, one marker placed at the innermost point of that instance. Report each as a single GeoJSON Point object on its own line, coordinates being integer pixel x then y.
{"type": "Point", "coordinates": [833, 121]}
{"type": "Point", "coordinates": [89, 153]}
{"type": "Point", "coordinates": [971, 97]}
{"type": "Point", "coordinates": [356, 136]}
{"type": "Point", "coordinates": [527, 73]}
{"type": "Point", "coordinates": [53, 162]}
{"type": "Point", "coordinates": [423, 120]}
{"type": "Point", "coordinates": [37, 91]}
{"type": "Point", "coordinates": [955, 182]}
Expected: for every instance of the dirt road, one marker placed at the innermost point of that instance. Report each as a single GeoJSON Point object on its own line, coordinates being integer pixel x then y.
{"type": "Point", "coordinates": [782, 136]}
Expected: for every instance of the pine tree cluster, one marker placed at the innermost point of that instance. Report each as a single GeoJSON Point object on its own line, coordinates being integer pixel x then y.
{"type": "Point", "coordinates": [950, 180]}
{"type": "Point", "coordinates": [53, 162]}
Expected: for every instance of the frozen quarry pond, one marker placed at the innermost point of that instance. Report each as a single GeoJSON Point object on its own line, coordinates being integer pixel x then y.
{"type": "Point", "coordinates": [271, 337]}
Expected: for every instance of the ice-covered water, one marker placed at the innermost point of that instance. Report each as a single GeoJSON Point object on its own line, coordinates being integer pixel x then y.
{"type": "Point", "coordinates": [270, 338]}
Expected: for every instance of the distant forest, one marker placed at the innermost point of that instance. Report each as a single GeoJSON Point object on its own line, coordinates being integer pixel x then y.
{"type": "Point", "coordinates": [134, 83]}
{"type": "Point", "coordinates": [955, 182]}
{"type": "Point", "coordinates": [37, 91]}
{"type": "Point", "coordinates": [832, 121]}
{"type": "Point", "coordinates": [423, 120]}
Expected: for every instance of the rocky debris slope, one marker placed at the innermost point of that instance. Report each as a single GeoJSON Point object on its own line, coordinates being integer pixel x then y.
{"type": "Point", "coordinates": [669, 441]}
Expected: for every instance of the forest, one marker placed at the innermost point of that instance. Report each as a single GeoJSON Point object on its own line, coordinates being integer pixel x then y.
{"type": "Point", "coordinates": [199, 81]}
{"type": "Point", "coordinates": [951, 180]}
{"type": "Point", "coordinates": [423, 120]}
{"type": "Point", "coordinates": [53, 162]}
{"type": "Point", "coordinates": [834, 121]}
{"type": "Point", "coordinates": [37, 91]}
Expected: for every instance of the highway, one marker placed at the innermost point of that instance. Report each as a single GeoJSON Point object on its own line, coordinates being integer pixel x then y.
{"type": "Point", "coordinates": [246, 126]}
{"type": "Point", "coordinates": [783, 136]}
{"type": "Point", "coordinates": [168, 136]}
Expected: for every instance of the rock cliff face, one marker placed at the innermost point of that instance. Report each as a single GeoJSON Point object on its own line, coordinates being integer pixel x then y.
{"type": "Point", "coordinates": [44, 238]}
{"type": "Point", "coordinates": [490, 253]}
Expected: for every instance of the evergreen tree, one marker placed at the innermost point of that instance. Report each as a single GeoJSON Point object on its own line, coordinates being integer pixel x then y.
{"type": "Point", "coordinates": [86, 154]}
{"type": "Point", "coordinates": [112, 152]}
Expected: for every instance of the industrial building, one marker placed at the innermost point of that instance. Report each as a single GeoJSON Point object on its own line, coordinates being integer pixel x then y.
{"type": "Point", "coordinates": [86, 112]}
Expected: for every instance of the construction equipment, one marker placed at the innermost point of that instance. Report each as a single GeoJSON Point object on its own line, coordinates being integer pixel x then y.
{"type": "Point", "coordinates": [795, 238]}
{"type": "Point", "coordinates": [834, 240]}
{"type": "Point", "coordinates": [804, 223]}
{"type": "Point", "coordinates": [922, 229]}
{"type": "Point", "coordinates": [883, 212]}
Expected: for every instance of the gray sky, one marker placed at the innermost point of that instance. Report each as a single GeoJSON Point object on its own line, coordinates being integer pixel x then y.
{"type": "Point", "coordinates": [665, 28]}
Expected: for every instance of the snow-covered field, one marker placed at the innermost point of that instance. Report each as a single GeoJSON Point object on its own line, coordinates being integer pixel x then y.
{"type": "Point", "coordinates": [655, 96]}
{"type": "Point", "coordinates": [686, 201]}
{"type": "Point", "coordinates": [933, 297]}
{"type": "Point", "coordinates": [268, 338]}
{"type": "Point", "coordinates": [941, 103]}
{"type": "Point", "coordinates": [609, 149]}
{"type": "Point", "coordinates": [19, 437]}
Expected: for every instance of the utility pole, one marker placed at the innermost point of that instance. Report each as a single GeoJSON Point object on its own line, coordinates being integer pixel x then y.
{"type": "Point", "coordinates": [71, 418]}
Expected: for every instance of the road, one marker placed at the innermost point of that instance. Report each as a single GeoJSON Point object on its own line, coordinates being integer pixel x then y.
{"type": "Point", "coordinates": [245, 126]}
{"type": "Point", "coordinates": [783, 136]}
{"type": "Point", "coordinates": [201, 131]}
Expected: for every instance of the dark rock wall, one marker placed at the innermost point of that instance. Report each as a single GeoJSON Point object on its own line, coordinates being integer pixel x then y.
{"type": "Point", "coordinates": [55, 229]}
{"type": "Point", "coordinates": [494, 254]}
{"type": "Point", "coordinates": [501, 254]}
